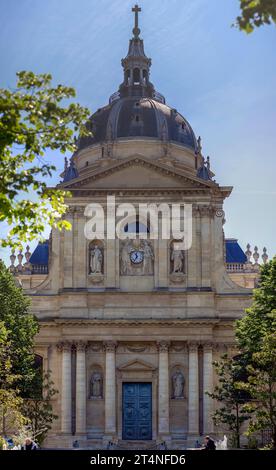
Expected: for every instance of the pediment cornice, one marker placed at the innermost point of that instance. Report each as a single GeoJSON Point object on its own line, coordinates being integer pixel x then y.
{"type": "Point", "coordinates": [189, 181]}
{"type": "Point", "coordinates": [135, 322]}
{"type": "Point", "coordinates": [136, 365]}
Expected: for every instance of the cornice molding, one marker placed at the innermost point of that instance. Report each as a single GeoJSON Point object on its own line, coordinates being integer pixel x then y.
{"type": "Point", "coordinates": [134, 322]}
{"type": "Point", "coordinates": [143, 162]}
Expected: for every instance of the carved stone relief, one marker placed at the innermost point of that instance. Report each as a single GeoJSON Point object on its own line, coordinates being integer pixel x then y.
{"type": "Point", "coordinates": [136, 258]}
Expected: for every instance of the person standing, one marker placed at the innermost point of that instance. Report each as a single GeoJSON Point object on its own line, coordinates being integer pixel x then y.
{"type": "Point", "coordinates": [29, 445]}
{"type": "Point", "coordinates": [209, 443]}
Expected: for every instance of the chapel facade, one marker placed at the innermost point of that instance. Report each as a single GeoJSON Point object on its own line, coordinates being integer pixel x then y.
{"type": "Point", "coordinates": [129, 328]}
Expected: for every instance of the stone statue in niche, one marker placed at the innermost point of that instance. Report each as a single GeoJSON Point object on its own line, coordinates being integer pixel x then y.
{"type": "Point", "coordinates": [96, 385]}
{"type": "Point", "coordinates": [178, 384]}
{"type": "Point", "coordinates": [125, 258]}
{"type": "Point", "coordinates": [96, 260]}
{"type": "Point", "coordinates": [177, 259]}
{"type": "Point", "coordinates": [148, 258]}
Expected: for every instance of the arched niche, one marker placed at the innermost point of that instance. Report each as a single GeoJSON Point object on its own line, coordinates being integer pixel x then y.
{"type": "Point", "coordinates": [136, 76]}
{"type": "Point", "coordinates": [127, 77]}
{"type": "Point", "coordinates": [177, 382]}
{"type": "Point", "coordinates": [96, 257]}
{"type": "Point", "coordinates": [145, 76]}
{"type": "Point", "coordinates": [177, 258]}
{"type": "Point", "coordinates": [96, 384]}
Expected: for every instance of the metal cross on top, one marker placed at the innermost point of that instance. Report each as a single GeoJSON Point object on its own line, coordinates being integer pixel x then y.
{"type": "Point", "coordinates": [136, 30]}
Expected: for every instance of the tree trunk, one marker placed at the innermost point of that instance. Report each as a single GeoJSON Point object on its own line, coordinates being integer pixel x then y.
{"type": "Point", "coordinates": [237, 427]}
{"type": "Point", "coordinates": [4, 424]}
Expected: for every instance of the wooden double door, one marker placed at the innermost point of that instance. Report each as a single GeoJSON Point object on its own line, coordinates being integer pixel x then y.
{"type": "Point", "coordinates": [137, 411]}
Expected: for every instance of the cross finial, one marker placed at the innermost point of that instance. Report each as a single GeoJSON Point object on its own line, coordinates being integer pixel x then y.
{"type": "Point", "coordinates": [136, 30]}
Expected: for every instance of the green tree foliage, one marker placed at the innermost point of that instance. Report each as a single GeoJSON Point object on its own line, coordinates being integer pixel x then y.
{"type": "Point", "coordinates": [25, 393]}
{"type": "Point", "coordinates": [39, 410]}
{"type": "Point", "coordinates": [34, 119]}
{"type": "Point", "coordinates": [259, 320]}
{"type": "Point", "coordinates": [255, 13]}
{"type": "Point", "coordinates": [261, 385]}
{"type": "Point", "coordinates": [11, 417]}
{"type": "Point", "coordinates": [256, 335]}
{"type": "Point", "coordinates": [232, 412]}
{"type": "Point", "coordinates": [247, 384]}
{"type": "Point", "coordinates": [21, 328]}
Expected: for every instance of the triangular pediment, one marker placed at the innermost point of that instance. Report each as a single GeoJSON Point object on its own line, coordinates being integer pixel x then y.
{"type": "Point", "coordinates": [137, 173]}
{"type": "Point", "coordinates": [136, 365]}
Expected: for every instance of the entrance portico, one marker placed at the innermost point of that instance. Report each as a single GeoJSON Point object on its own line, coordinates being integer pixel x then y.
{"type": "Point", "coordinates": [137, 401]}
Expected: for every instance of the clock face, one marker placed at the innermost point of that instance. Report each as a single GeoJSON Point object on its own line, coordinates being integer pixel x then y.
{"type": "Point", "coordinates": [137, 257]}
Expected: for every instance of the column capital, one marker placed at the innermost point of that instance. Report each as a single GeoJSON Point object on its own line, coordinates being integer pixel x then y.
{"type": "Point", "coordinates": [231, 346]}
{"type": "Point", "coordinates": [208, 346]}
{"type": "Point", "coordinates": [163, 346]}
{"type": "Point", "coordinates": [81, 345]}
{"type": "Point", "coordinates": [193, 389]}
{"type": "Point", "coordinates": [110, 346]}
{"type": "Point", "coordinates": [65, 346]}
{"type": "Point", "coordinates": [193, 346]}
{"type": "Point", "coordinates": [221, 348]}
{"type": "Point", "coordinates": [205, 210]}
{"type": "Point", "coordinates": [196, 212]}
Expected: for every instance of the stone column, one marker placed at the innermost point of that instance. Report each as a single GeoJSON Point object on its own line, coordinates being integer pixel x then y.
{"type": "Point", "coordinates": [163, 391]}
{"type": "Point", "coordinates": [68, 251]}
{"type": "Point", "coordinates": [110, 389]}
{"type": "Point", "coordinates": [161, 261]}
{"type": "Point", "coordinates": [66, 387]}
{"type": "Point", "coordinates": [48, 367]}
{"type": "Point", "coordinates": [81, 388]}
{"type": "Point", "coordinates": [207, 387]}
{"type": "Point", "coordinates": [80, 252]}
{"type": "Point", "coordinates": [193, 252]}
{"type": "Point", "coordinates": [193, 394]}
{"type": "Point", "coordinates": [205, 245]}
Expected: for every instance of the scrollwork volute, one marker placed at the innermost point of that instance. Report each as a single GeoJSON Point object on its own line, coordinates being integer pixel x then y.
{"type": "Point", "coordinates": [193, 346]}
{"type": "Point", "coordinates": [81, 346]}
{"type": "Point", "coordinates": [65, 346]}
{"type": "Point", "coordinates": [163, 346]}
{"type": "Point", "coordinates": [110, 346]}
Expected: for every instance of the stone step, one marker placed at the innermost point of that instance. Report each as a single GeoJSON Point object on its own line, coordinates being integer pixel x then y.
{"type": "Point", "coordinates": [136, 445]}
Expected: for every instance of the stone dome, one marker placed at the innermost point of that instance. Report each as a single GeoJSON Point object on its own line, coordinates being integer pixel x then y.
{"type": "Point", "coordinates": [137, 110]}
{"type": "Point", "coordinates": [135, 116]}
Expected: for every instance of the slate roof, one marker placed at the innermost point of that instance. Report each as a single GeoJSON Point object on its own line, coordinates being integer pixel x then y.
{"type": "Point", "coordinates": [234, 253]}
{"type": "Point", "coordinates": [138, 117]}
{"type": "Point", "coordinates": [40, 255]}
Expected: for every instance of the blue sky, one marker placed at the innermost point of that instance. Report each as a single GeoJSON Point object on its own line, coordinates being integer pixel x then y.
{"type": "Point", "coordinates": [221, 80]}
